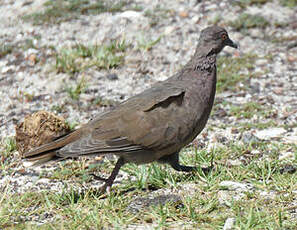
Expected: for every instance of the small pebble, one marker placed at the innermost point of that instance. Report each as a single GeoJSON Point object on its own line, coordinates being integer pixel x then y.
{"type": "Point", "coordinates": [112, 77]}
{"type": "Point", "coordinates": [229, 223]}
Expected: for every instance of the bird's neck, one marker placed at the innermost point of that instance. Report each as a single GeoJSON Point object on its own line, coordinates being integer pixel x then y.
{"type": "Point", "coordinates": [205, 63]}
{"type": "Point", "coordinates": [204, 59]}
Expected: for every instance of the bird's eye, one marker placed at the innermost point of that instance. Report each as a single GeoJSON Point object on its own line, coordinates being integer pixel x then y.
{"type": "Point", "coordinates": [224, 37]}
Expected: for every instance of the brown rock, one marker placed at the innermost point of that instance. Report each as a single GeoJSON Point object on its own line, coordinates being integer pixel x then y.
{"type": "Point", "coordinates": [39, 128]}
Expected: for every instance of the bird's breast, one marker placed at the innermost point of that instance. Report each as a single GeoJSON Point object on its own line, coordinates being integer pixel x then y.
{"type": "Point", "coordinates": [199, 99]}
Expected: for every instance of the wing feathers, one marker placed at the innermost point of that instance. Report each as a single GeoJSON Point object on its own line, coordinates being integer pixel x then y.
{"type": "Point", "coordinates": [134, 126]}
{"type": "Point", "coordinates": [87, 146]}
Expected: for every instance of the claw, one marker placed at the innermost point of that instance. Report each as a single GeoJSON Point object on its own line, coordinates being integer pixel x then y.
{"type": "Point", "coordinates": [98, 177]}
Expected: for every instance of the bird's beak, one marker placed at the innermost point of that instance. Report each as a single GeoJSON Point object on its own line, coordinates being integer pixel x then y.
{"type": "Point", "coordinates": [229, 42]}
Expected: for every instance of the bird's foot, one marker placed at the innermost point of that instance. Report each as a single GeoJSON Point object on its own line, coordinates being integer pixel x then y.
{"type": "Point", "coordinates": [173, 160]}
{"type": "Point", "coordinates": [109, 181]}
{"type": "Point", "coordinates": [184, 168]}
{"type": "Point", "coordinates": [103, 189]}
{"type": "Point", "coordinates": [207, 170]}
{"type": "Point", "coordinates": [98, 177]}
{"type": "Point", "coordinates": [106, 187]}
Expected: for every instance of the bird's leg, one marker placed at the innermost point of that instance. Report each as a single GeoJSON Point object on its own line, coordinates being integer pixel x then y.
{"type": "Point", "coordinates": [114, 173]}
{"type": "Point", "coordinates": [173, 160]}
{"type": "Point", "coordinates": [98, 177]}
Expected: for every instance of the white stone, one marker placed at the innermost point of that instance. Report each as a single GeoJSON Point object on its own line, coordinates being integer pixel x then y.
{"type": "Point", "coordinates": [28, 164]}
{"type": "Point", "coordinates": [3, 62]}
{"type": "Point", "coordinates": [268, 134]}
{"type": "Point", "coordinates": [234, 162]}
{"type": "Point", "coordinates": [169, 30]}
{"type": "Point", "coordinates": [44, 180]}
{"type": "Point", "coordinates": [195, 19]}
{"type": "Point", "coordinates": [229, 223]}
{"type": "Point", "coordinates": [31, 51]}
{"type": "Point", "coordinates": [256, 33]}
{"type": "Point", "coordinates": [232, 185]}
{"type": "Point", "coordinates": [131, 14]}
{"type": "Point", "coordinates": [291, 139]}
{"type": "Point", "coordinates": [255, 151]}
{"type": "Point", "coordinates": [271, 195]}
{"type": "Point", "coordinates": [5, 69]}
{"type": "Point", "coordinates": [287, 156]}
{"type": "Point", "coordinates": [226, 197]}
{"type": "Point", "coordinates": [261, 62]}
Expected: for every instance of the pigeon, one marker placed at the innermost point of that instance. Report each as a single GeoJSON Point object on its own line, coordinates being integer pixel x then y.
{"type": "Point", "coordinates": [153, 125]}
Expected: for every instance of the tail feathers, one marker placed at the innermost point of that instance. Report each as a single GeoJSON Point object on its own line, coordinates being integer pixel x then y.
{"type": "Point", "coordinates": [54, 145]}
{"type": "Point", "coordinates": [48, 152]}
{"type": "Point", "coordinates": [42, 158]}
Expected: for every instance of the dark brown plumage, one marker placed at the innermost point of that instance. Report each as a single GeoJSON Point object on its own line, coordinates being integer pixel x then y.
{"type": "Point", "coordinates": [153, 125]}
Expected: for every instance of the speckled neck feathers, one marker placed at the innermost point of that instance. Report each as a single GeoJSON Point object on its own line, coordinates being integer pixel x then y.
{"type": "Point", "coordinates": [205, 63]}
{"type": "Point", "coordinates": [204, 59]}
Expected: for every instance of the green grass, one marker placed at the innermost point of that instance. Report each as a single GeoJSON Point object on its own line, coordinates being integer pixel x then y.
{"type": "Point", "coordinates": [72, 124]}
{"type": "Point", "coordinates": [249, 115]}
{"type": "Point", "coordinates": [143, 43]}
{"type": "Point", "coordinates": [103, 102]}
{"type": "Point", "coordinates": [282, 39]}
{"type": "Point", "coordinates": [202, 209]}
{"type": "Point", "coordinates": [80, 57]}
{"type": "Point", "coordinates": [5, 49]}
{"type": "Point", "coordinates": [75, 91]}
{"type": "Point", "coordinates": [72, 209]}
{"type": "Point", "coordinates": [288, 3]}
{"type": "Point", "coordinates": [7, 149]}
{"type": "Point", "coordinates": [245, 3]}
{"type": "Point", "coordinates": [8, 48]}
{"type": "Point", "coordinates": [250, 109]}
{"type": "Point", "coordinates": [244, 126]}
{"type": "Point", "coordinates": [10, 145]}
{"type": "Point", "coordinates": [157, 14]}
{"type": "Point", "coordinates": [64, 10]}
{"type": "Point", "coordinates": [247, 21]}
{"type": "Point", "coordinates": [28, 44]}
{"type": "Point", "coordinates": [230, 71]}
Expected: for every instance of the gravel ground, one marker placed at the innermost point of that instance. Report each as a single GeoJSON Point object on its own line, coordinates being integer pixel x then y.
{"type": "Point", "coordinates": [29, 81]}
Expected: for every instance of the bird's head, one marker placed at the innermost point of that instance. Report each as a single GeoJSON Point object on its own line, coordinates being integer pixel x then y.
{"type": "Point", "coordinates": [215, 38]}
